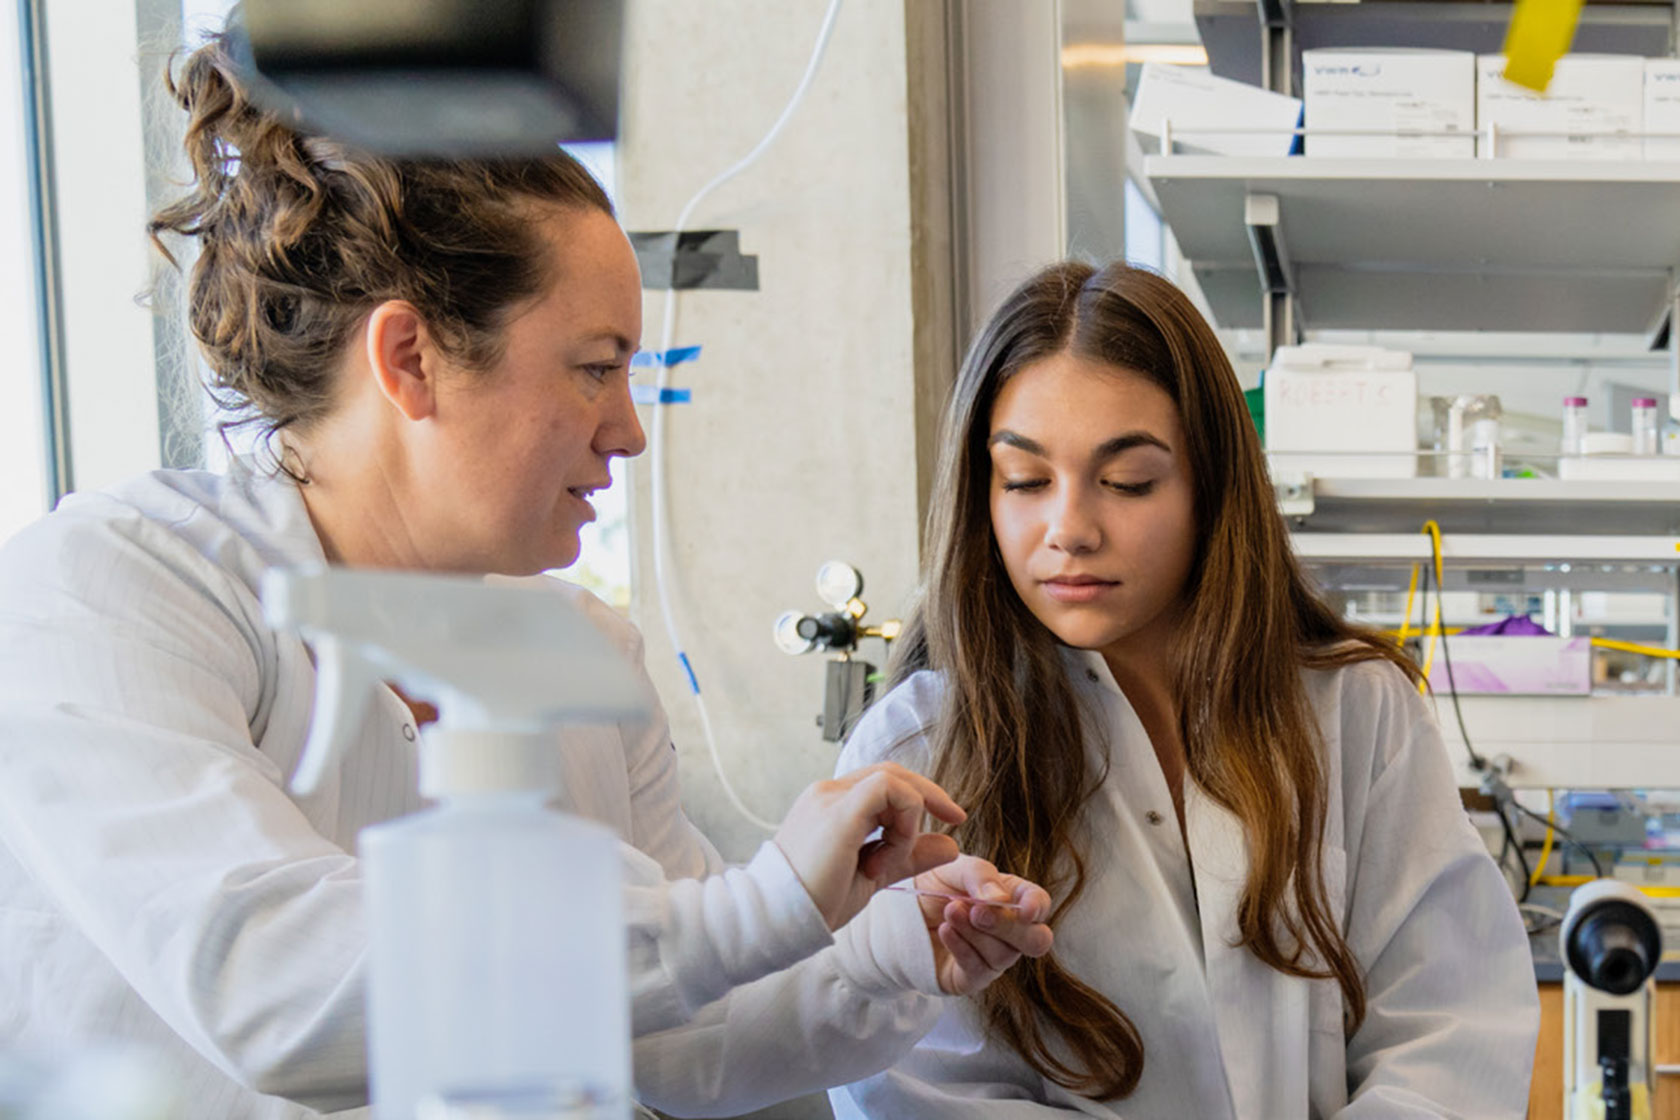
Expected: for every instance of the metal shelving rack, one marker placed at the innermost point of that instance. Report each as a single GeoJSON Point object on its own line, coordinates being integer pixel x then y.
{"type": "Point", "coordinates": [1236, 44]}
{"type": "Point", "coordinates": [1520, 537]}
{"type": "Point", "coordinates": [1471, 244]}
{"type": "Point", "coordinates": [1420, 244]}
{"type": "Point", "coordinates": [1295, 244]}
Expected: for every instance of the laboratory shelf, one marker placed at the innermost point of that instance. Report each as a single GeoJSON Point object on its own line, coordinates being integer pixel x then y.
{"type": "Point", "coordinates": [1230, 29]}
{"type": "Point", "coordinates": [1496, 549]}
{"type": "Point", "coordinates": [1568, 742]}
{"type": "Point", "coordinates": [1543, 507]}
{"type": "Point", "coordinates": [1451, 244]}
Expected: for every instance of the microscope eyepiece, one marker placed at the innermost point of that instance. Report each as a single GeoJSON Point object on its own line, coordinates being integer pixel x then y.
{"type": "Point", "coordinates": [1611, 939]}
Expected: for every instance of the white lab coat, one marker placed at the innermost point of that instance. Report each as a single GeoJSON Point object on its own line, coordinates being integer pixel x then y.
{"type": "Point", "coordinates": [161, 886]}
{"type": "Point", "coordinates": [1452, 1014]}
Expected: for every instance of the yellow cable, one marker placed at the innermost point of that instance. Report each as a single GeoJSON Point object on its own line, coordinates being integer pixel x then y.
{"type": "Point", "coordinates": [1406, 616]}
{"type": "Point", "coordinates": [1545, 848]}
{"type": "Point", "coordinates": [1634, 647]}
{"type": "Point", "coordinates": [1655, 891]}
{"type": "Point", "coordinates": [1434, 532]}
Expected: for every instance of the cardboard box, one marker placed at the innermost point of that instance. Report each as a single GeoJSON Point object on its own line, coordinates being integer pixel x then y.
{"type": "Point", "coordinates": [1341, 412]}
{"type": "Point", "coordinates": [1500, 664]}
{"type": "Point", "coordinates": [1392, 92]}
{"type": "Point", "coordinates": [1247, 120]}
{"type": "Point", "coordinates": [1662, 108]}
{"type": "Point", "coordinates": [1592, 98]}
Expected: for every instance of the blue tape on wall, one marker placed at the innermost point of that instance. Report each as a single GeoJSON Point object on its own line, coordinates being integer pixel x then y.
{"type": "Point", "coordinates": [673, 357]}
{"type": "Point", "coordinates": [653, 394]}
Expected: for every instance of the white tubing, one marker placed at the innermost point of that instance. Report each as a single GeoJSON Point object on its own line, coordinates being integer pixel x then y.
{"type": "Point", "coordinates": [656, 443]}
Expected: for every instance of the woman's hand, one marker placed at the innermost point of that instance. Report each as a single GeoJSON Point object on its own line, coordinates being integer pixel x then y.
{"type": "Point", "coordinates": [825, 836]}
{"type": "Point", "coordinates": [973, 943]}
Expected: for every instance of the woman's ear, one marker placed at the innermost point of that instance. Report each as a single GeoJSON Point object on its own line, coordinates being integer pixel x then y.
{"type": "Point", "coordinates": [403, 358]}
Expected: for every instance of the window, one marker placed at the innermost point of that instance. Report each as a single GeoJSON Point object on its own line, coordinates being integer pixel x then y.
{"type": "Point", "coordinates": [24, 481]}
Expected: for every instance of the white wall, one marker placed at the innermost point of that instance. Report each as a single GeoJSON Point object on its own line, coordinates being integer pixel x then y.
{"type": "Point", "coordinates": [800, 444]}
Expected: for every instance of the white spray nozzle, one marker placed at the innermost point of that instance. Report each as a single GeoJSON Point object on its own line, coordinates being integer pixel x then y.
{"type": "Point", "coordinates": [512, 660]}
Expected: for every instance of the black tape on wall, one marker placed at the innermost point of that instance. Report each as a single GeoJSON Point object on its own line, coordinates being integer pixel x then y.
{"type": "Point", "coordinates": [700, 258]}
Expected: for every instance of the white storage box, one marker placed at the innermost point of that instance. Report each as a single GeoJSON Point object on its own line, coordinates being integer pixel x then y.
{"type": "Point", "coordinates": [1621, 468]}
{"type": "Point", "coordinates": [1392, 92]}
{"type": "Point", "coordinates": [1513, 665]}
{"type": "Point", "coordinates": [1662, 108]}
{"type": "Point", "coordinates": [1592, 98]}
{"type": "Point", "coordinates": [1250, 121]}
{"type": "Point", "coordinates": [1341, 411]}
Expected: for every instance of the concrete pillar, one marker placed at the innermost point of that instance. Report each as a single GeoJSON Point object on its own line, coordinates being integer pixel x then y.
{"type": "Point", "coordinates": [810, 431]}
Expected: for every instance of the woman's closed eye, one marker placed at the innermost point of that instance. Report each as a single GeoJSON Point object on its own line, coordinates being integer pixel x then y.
{"type": "Point", "coordinates": [1130, 489]}
{"type": "Point", "coordinates": [1024, 485]}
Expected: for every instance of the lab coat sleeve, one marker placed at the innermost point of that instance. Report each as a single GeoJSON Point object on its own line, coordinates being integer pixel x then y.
{"type": "Point", "coordinates": [130, 789]}
{"type": "Point", "coordinates": [846, 1013]}
{"type": "Point", "coordinates": [692, 940]}
{"type": "Point", "coordinates": [1452, 1009]}
{"type": "Point", "coordinates": [658, 824]}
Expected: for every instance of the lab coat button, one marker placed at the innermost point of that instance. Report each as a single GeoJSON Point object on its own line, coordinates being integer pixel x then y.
{"type": "Point", "coordinates": [1153, 817]}
{"type": "Point", "coordinates": [408, 732]}
{"type": "Point", "coordinates": [1091, 675]}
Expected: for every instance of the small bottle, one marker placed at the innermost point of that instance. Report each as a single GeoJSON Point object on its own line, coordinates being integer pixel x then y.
{"type": "Point", "coordinates": [1645, 426]}
{"type": "Point", "coordinates": [1574, 425]}
{"type": "Point", "coordinates": [1479, 419]}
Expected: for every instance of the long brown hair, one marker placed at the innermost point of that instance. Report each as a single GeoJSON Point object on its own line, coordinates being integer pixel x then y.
{"type": "Point", "coordinates": [1009, 745]}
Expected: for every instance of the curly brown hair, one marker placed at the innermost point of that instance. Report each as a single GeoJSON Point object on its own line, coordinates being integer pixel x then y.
{"type": "Point", "coordinates": [300, 236]}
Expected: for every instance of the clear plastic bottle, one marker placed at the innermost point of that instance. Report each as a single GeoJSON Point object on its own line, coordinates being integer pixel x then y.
{"type": "Point", "coordinates": [1574, 426]}
{"type": "Point", "coordinates": [1645, 426]}
{"type": "Point", "coordinates": [497, 985]}
{"type": "Point", "coordinates": [496, 971]}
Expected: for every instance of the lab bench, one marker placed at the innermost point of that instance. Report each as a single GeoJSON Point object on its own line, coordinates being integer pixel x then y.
{"type": "Point", "coordinates": [1545, 1097]}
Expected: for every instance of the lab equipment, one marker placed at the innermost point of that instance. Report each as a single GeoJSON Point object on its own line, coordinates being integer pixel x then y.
{"type": "Point", "coordinates": [1574, 426]}
{"type": "Point", "coordinates": [496, 983]}
{"type": "Point", "coordinates": [1645, 426]}
{"type": "Point", "coordinates": [850, 685]}
{"type": "Point", "coordinates": [446, 78]}
{"type": "Point", "coordinates": [1611, 942]}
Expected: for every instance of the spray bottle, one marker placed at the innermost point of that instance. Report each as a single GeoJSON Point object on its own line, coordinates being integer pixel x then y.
{"type": "Point", "coordinates": [496, 974]}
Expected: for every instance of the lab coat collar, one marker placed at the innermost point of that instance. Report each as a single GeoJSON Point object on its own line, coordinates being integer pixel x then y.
{"type": "Point", "coordinates": [1261, 1015]}
{"type": "Point", "coordinates": [273, 500]}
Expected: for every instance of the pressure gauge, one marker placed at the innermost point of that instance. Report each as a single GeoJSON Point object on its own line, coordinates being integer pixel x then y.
{"type": "Point", "coordinates": [788, 638]}
{"type": "Point", "coordinates": [838, 583]}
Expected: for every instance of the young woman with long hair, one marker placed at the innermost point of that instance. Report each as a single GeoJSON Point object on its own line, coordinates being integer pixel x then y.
{"type": "Point", "coordinates": [1268, 900]}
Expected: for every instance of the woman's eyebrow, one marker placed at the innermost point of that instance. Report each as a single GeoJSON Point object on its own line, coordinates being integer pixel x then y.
{"type": "Point", "coordinates": [1015, 439]}
{"type": "Point", "coordinates": [1119, 445]}
{"type": "Point", "coordinates": [1105, 451]}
